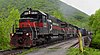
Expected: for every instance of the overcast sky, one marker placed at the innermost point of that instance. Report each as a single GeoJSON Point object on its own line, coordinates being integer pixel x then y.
{"type": "Point", "coordinates": [87, 6]}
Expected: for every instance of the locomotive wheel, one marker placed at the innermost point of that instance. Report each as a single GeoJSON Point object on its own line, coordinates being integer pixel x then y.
{"type": "Point", "coordinates": [48, 38]}
{"type": "Point", "coordinates": [61, 37]}
{"type": "Point", "coordinates": [34, 43]}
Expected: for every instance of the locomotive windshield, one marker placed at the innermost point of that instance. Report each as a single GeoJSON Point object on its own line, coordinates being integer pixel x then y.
{"type": "Point", "coordinates": [30, 15]}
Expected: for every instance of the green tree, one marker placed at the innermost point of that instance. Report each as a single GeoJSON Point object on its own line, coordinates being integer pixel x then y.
{"type": "Point", "coordinates": [6, 26]}
{"type": "Point", "coordinates": [95, 26]}
{"type": "Point", "coordinates": [59, 15]}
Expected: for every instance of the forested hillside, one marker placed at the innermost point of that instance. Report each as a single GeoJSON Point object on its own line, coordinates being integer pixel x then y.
{"type": "Point", "coordinates": [10, 11]}
{"type": "Point", "coordinates": [72, 14]}
{"type": "Point", "coordinates": [48, 6]}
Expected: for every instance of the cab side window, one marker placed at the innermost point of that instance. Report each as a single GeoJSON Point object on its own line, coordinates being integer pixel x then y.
{"type": "Point", "coordinates": [44, 19]}
{"type": "Point", "coordinates": [40, 18]}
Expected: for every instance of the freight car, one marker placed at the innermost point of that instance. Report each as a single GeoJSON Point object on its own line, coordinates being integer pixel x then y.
{"type": "Point", "coordinates": [37, 27]}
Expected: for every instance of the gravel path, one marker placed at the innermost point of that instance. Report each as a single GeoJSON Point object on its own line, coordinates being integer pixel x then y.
{"type": "Point", "coordinates": [49, 52]}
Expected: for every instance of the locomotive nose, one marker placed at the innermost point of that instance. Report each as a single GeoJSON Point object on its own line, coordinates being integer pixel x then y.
{"type": "Point", "coordinates": [21, 41]}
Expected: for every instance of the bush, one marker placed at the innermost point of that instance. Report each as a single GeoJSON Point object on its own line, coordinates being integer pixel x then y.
{"type": "Point", "coordinates": [87, 51]}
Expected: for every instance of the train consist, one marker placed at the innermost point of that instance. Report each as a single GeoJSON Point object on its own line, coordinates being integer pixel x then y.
{"type": "Point", "coordinates": [36, 27]}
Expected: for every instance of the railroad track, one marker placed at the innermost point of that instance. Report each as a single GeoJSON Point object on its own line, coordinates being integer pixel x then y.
{"type": "Point", "coordinates": [16, 51]}
{"type": "Point", "coordinates": [66, 44]}
{"type": "Point", "coordinates": [56, 42]}
{"type": "Point", "coordinates": [52, 43]}
{"type": "Point", "coordinates": [55, 49]}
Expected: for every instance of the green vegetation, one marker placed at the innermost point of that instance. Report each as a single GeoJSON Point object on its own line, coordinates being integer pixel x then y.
{"type": "Point", "coordinates": [5, 28]}
{"type": "Point", "coordinates": [87, 51]}
{"type": "Point", "coordinates": [10, 11]}
{"type": "Point", "coordinates": [95, 27]}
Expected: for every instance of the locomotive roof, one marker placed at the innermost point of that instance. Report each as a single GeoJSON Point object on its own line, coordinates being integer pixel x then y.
{"type": "Point", "coordinates": [30, 11]}
{"type": "Point", "coordinates": [54, 19]}
{"type": "Point", "coordinates": [42, 12]}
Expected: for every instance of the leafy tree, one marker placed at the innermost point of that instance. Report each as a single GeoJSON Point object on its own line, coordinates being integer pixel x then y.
{"type": "Point", "coordinates": [59, 15]}
{"type": "Point", "coordinates": [6, 26]}
{"type": "Point", "coordinates": [95, 26]}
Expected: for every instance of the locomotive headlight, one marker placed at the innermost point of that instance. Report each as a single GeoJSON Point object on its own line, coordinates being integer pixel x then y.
{"type": "Point", "coordinates": [12, 34]}
{"type": "Point", "coordinates": [27, 34]}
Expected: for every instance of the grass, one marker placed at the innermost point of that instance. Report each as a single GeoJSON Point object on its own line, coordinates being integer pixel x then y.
{"type": "Point", "coordinates": [28, 51]}
{"type": "Point", "coordinates": [87, 51]}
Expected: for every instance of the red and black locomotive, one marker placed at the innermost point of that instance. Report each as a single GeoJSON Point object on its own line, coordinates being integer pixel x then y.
{"type": "Point", "coordinates": [36, 27]}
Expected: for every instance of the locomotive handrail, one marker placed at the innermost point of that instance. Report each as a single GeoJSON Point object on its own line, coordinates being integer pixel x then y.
{"type": "Point", "coordinates": [35, 30]}
{"type": "Point", "coordinates": [31, 30]}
